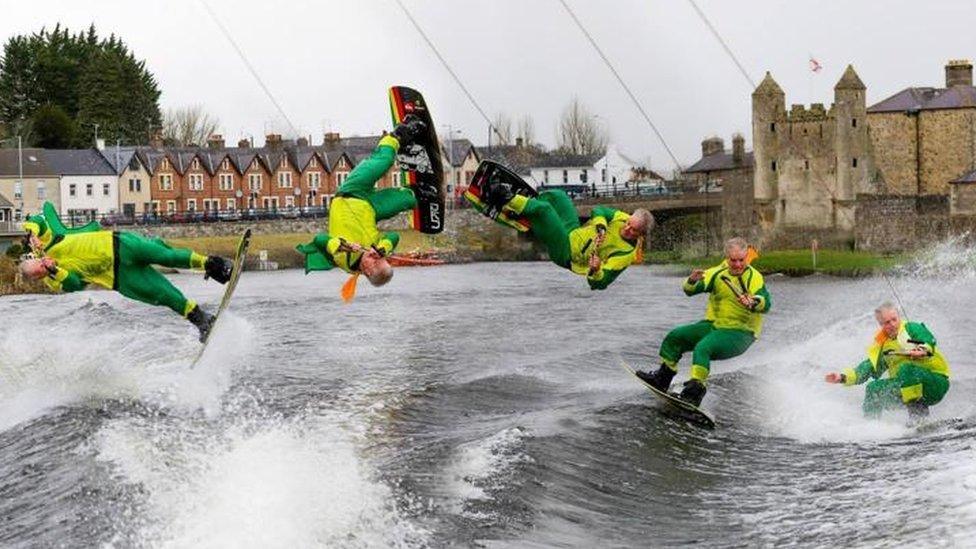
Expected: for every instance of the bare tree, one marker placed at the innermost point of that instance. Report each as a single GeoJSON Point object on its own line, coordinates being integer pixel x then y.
{"type": "Point", "coordinates": [502, 124]}
{"type": "Point", "coordinates": [526, 129]}
{"type": "Point", "coordinates": [188, 126]}
{"type": "Point", "coordinates": [579, 132]}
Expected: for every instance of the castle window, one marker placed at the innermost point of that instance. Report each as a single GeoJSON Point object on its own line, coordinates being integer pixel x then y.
{"type": "Point", "coordinates": [854, 162]}
{"type": "Point", "coordinates": [772, 127]}
{"type": "Point", "coordinates": [853, 122]}
{"type": "Point", "coordinates": [806, 164]}
{"type": "Point", "coordinates": [773, 166]}
{"type": "Point", "coordinates": [804, 131]}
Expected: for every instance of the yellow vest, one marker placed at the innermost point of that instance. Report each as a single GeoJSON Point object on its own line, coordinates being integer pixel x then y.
{"type": "Point", "coordinates": [89, 255]}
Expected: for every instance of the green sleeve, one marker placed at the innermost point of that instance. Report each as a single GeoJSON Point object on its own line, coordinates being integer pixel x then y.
{"type": "Point", "coordinates": [371, 169]}
{"type": "Point", "coordinates": [602, 279]}
{"type": "Point", "coordinates": [606, 212]}
{"type": "Point", "coordinates": [858, 374]}
{"type": "Point", "coordinates": [389, 242]}
{"type": "Point", "coordinates": [318, 256]}
{"type": "Point", "coordinates": [693, 288]}
{"type": "Point", "coordinates": [765, 301]}
{"type": "Point", "coordinates": [65, 280]}
{"type": "Point", "coordinates": [919, 332]}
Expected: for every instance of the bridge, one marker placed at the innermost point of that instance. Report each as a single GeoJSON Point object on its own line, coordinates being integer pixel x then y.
{"type": "Point", "coordinates": [663, 207]}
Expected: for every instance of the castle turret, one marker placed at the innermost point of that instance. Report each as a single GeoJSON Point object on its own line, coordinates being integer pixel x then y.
{"type": "Point", "coordinates": [851, 144]}
{"type": "Point", "coordinates": [768, 124]}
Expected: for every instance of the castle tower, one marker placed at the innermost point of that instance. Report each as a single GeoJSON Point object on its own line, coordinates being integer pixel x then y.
{"type": "Point", "coordinates": [851, 143]}
{"type": "Point", "coordinates": [768, 125]}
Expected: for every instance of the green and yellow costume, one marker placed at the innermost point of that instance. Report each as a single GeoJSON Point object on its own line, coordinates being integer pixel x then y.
{"type": "Point", "coordinates": [729, 328]}
{"type": "Point", "coordinates": [909, 379]}
{"type": "Point", "coordinates": [354, 212]}
{"type": "Point", "coordinates": [555, 223]}
{"type": "Point", "coordinates": [118, 261]}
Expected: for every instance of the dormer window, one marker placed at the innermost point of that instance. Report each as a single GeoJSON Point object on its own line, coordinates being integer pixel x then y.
{"type": "Point", "coordinates": [196, 164]}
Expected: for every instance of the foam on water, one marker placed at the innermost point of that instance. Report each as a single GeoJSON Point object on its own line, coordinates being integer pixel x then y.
{"type": "Point", "coordinates": [97, 351]}
{"type": "Point", "coordinates": [274, 483]}
{"type": "Point", "coordinates": [484, 465]}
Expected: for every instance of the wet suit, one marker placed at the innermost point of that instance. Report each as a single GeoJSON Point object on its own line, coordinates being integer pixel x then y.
{"type": "Point", "coordinates": [354, 212]}
{"type": "Point", "coordinates": [728, 329]}
{"type": "Point", "coordinates": [118, 261]}
{"type": "Point", "coordinates": [555, 224]}
{"type": "Point", "coordinates": [909, 380]}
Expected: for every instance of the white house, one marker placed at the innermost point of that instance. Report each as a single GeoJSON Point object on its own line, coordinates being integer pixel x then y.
{"type": "Point", "coordinates": [563, 170]}
{"type": "Point", "coordinates": [89, 185]}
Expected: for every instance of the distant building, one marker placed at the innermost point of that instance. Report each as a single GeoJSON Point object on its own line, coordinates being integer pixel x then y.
{"type": "Point", "coordinates": [39, 183]}
{"type": "Point", "coordinates": [134, 193]}
{"type": "Point", "coordinates": [89, 186]}
{"type": "Point", "coordinates": [731, 173]}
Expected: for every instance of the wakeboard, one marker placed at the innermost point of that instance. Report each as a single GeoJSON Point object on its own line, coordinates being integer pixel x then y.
{"type": "Point", "coordinates": [490, 173]}
{"type": "Point", "coordinates": [680, 408]}
{"type": "Point", "coordinates": [235, 275]}
{"type": "Point", "coordinates": [420, 163]}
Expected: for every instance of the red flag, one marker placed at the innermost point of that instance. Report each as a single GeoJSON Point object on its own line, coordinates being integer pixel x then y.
{"type": "Point", "coordinates": [815, 65]}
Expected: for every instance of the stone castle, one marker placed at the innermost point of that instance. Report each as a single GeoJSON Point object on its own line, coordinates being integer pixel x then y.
{"type": "Point", "coordinates": [837, 172]}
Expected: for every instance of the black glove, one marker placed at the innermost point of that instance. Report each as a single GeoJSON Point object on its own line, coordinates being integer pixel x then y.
{"type": "Point", "coordinates": [408, 131]}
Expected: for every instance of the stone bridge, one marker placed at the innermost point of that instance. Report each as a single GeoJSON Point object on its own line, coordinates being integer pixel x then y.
{"type": "Point", "coordinates": [663, 207]}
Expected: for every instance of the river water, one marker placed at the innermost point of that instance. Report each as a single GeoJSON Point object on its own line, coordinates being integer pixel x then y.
{"type": "Point", "coordinates": [475, 405]}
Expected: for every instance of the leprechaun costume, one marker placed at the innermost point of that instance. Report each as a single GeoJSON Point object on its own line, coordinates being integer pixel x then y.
{"type": "Point", "coordinates": [121, 261]}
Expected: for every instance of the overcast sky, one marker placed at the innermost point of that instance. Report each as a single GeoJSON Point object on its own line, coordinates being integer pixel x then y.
{"type": "Point", "coordinates": [329, 62]}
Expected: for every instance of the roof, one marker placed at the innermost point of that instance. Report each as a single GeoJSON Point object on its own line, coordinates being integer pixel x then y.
{"type": "Point", "coordinates": [4, 203]}
{"type": "Point", "coordinates": [922, 99]}
{"type": "Point", "coordinates": [517, 159]}
{"type": "Point", "coordinates": [76, 162]}
{"type": "Point", "coordinates": [719, 161]}
{"type": "Point", "coordinates": [968, 177]}
{"type": "Point", "coordinates": [560, 159]}
{"type": "Point", "coordinates": [850, 80]}
{"type": "Point", "coordinates": [457, 150]}
{"type": "Point", "coordinates": [33, 163]}
{"type": "Point", "coordinates": [768, 86]}
{"type": "Point", "coordinates": [119, 157]}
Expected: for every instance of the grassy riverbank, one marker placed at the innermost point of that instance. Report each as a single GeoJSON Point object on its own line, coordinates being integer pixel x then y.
{"type": "Point", "coordinates": [798, 262]}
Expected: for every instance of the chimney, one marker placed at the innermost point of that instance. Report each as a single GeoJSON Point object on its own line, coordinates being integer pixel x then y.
{"type": "Point", "coordinates": [302, 141]}
{"type": "Point", "coordinates": [272, 141]}
{"type": "Point", "coordinates": [519, 142]}
{"type": "Point", "coordinates": [156, 141]}
{"type": "Point", "coordinates": [215, 141]}
{"type": "Point", "coordinates": [100, 144]}
{"type": "Point", "coordinates": [713, 145]}
{"type": "Point", "coordinates": [244, 144]}
{"type": "Point", "coordinates": [738, 149]}
{"type": "Point", "coordinates": [331, 138]}
{"type": "Point", "coordinates": [959, 72]}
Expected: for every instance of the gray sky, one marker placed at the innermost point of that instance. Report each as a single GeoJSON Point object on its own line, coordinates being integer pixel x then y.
{"type": "Point", "coordinates": [329, 62]}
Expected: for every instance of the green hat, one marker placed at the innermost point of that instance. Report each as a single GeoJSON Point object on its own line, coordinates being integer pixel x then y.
{"type": "Point", "coordinates": [37, 225]}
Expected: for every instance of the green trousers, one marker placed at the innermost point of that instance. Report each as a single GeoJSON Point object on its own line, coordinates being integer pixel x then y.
{"type": "Point", "coordinates": [706, 343]}
{"type": "Point", "coordinates": [910, 384]}
{"type": "Point", "coordinates": [137, 279]}
{"type": "Point", "coordinates": [553, 217]}
{"type": "Point", "coordinates": [386, 202]}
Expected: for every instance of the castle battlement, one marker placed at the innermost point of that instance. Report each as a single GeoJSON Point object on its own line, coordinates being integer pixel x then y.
{"type": "Point", "coordinates": [816, 112]}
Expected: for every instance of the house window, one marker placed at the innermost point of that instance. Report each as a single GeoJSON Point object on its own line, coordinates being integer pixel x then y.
{"type": "Point", "coordinates": [584, 175]}
{"type": "Point", "coordinates": [314, 180]}
{"type": "Point", "coordinates": [225, 164]}
{"type": "Point", "coordinates": [270, 202]}
{"type": "Point", "coordinates": [565, 177]}
{"type": "Point", "coordinates": [41, 190]}
{"type": "Point", "coordinates": [18, 189]}
{"type": "Point", "coordinates": [289, 201]}
{"type": "Point", "coordinates": [772, 127]}
{"type": "Point", "coordinates": [165, 182]}
{"type": "Point", "coordinates": [196, 181]}
{"type": "Point", "coordinates": [231, 204]}
{"type": "Point", "coordinates": [155, 207]}
{"type": "Point", "coordinates": [545, 175]}
{"type": "Point", "coordinates": [89, 189]}
{"type": "Point", "coordinates": [854, 162]}
{"type": "Point", "coordinates": [104, 189]}
{"type": "Point", "coordinates": [772, 166]}
{"type": "Point", "coordinates": [72, 190]}
{"type": "Point", "coordinates": [191, 204]}
{"type": "Point", "coordinates": [313, 163]}
{"type": "Point", "coordinates": [226, 181]}
{"type": "Point", "coordinates": [284, 179]}
{"type": "Point", "coordinates": [254, 181]}
{"type": "Point", "coordinates": [341, 177]}
{"type": "Point", "coordinates": [170, 206]}
{"type": "Point", "coordinates": [195, 164]}
{"type": "Point", "coordinates": [603, 175]}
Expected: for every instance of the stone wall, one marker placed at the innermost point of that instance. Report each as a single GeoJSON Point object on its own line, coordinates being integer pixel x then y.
{"type": "Point", "coordinates": [947, 147]}
{"type": "Point", "coordinates": [893, 136]}
{"type": "Point", "coordinates": [892, 223]}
